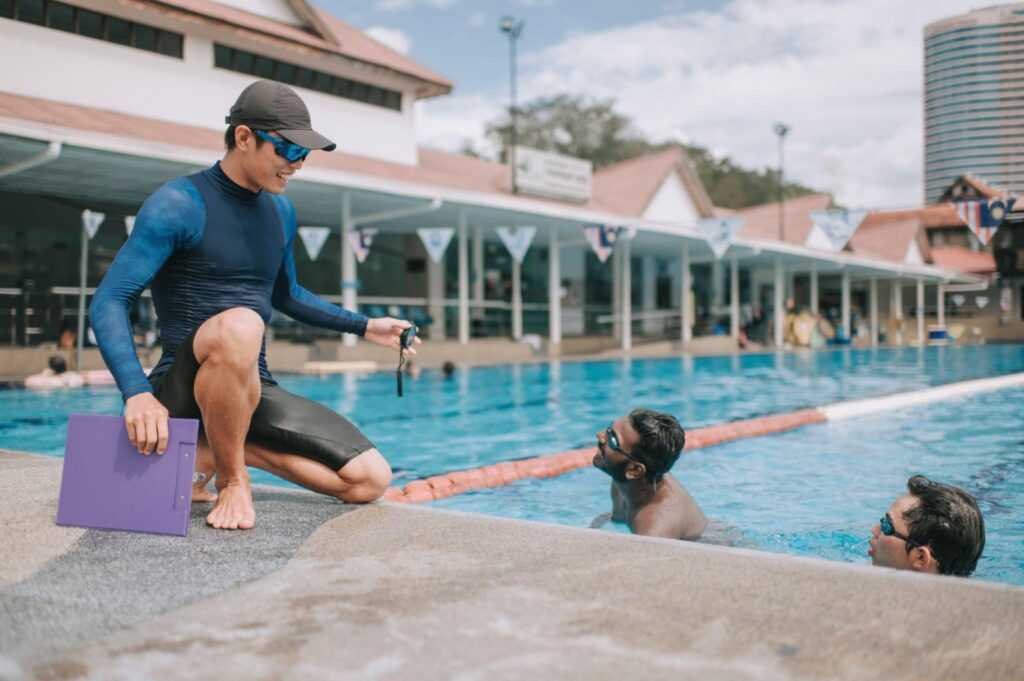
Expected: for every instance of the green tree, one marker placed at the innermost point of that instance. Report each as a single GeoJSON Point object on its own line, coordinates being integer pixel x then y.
{"type": "Point", "coordinates": [593, 130]}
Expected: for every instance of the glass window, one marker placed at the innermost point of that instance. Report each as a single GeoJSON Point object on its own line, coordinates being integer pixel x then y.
{"type": "Point", "coordinates": [119, 31]}
{"type": "Point", "coordinates": [285, 72]}
{"type": "Point", "coordinates": [376, 96]}
{"type": "Point", "coordinates": [90, 23]}
{"type": "Point", "coordinates": [32, 11]}
{"type": "Point", "coordinates": [144, 37]}
{"type": "Point", "coordinates": [222, 56]}
{"type": "Point", "coordinates": [61, 17]}
{"type": "Point", "coordinates": [341, 87]}
{"type": "Point", "coordinates": [304, 78]}
{"type": "Point", "coordinates": [244, 62]}
{"type": "Point", "coordinates": [358, 92]}
{"type": "Point", "coordinates": [170, 44]}
{"type": "Point", "coordinates": [394, 101]}
{"type": "Point", "coordinates": [265, 67]}
{"type": "Point", "coordinates": [7, 8]}
{"type": "Point", "coordinates": [322, 83]}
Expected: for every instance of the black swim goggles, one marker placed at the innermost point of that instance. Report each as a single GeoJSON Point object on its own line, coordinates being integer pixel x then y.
{"type": "Point", "coordinates": [612, 440]}
{"type": "Point", "coordinates": [292, 153]}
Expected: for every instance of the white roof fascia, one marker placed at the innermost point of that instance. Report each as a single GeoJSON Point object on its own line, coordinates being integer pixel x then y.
{"type": "Point", "coordinates": [202, 158]}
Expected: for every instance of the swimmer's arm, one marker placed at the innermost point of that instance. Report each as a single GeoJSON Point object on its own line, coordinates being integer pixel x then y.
{"type": "Point", "coordinates": [170, 219]}
{"type": "Point", "coordinates": [301, 304]}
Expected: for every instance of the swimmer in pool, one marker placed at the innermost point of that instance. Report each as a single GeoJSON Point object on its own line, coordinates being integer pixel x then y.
{"type": "Point", "coordinates": [933, 528]}
{"type": "Point", "coordinates": [216, 249]}
{"type": "Point", "coordinates": [637, 451]}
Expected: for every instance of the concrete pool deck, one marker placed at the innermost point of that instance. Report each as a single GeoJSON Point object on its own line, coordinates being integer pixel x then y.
{"type": "Point", "coordinates": [325, 590]}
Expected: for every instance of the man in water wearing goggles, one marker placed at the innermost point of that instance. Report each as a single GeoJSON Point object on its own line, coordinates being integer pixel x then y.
{"type": "Point", "coordinates": [637, 451]}
{"type": "Point", "coordinates": [933, 528]}
{"type": "Point", "coordinates": [216, 249]}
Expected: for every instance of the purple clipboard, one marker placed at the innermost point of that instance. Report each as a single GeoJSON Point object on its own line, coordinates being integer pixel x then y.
{"type": "Point", "coordinates": [108, 485]}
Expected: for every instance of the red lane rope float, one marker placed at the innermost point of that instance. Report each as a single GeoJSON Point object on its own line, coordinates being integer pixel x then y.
{"type": "Point", "coordinates": [550, 465]}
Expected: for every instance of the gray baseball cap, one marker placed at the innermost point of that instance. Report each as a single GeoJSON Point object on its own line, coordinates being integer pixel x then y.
{"type": "Point", "coordinates": [270, 106]}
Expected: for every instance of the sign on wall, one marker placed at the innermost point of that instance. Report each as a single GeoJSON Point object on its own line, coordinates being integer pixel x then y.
{"type": "Point", "coordinates": [436, 240]}
{"type": "Point", "coordinates": [544, 173]}
{"type": "Point", "coordinates": [719, 232]}
{"type": "Point", "coordinates": [838, 225]}
{"type": "Point", "coordinates": [602, 239]}
{"type": "Point", "coordinates": [517, 240]}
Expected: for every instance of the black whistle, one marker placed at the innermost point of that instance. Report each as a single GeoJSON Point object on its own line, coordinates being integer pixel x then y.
{"type": "Point", "coordinates": [398, 374]}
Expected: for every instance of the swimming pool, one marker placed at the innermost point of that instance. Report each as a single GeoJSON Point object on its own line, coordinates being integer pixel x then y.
{"type": "Point", "coordinates": [485, 415]}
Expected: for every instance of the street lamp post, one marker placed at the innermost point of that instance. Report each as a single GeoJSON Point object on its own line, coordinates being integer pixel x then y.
{"type": "Point", "coordinates": [513, 28]}
{"type": "Point", "coordinates": [781, 129]}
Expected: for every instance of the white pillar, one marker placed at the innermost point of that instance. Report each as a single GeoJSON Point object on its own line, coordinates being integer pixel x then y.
{"type": "Point", "coordinates": [734, 299]}
{"type": "Point", "coordinates": [463, 235]}
{"type": "Point", "coordinates": [897, 309]}
{"type": "Point", "coordinates": [940, 299]}
{"type": "Point", "coordinates": [779, 312]}
{"type": "Point", "coordinates": [617, 292]}
{"type": "Point", "coordinates": [517, 301]}
{"type": "Point", "coordinates": [627, 294]}
{"type": "Point", "coordinates": [873, 304]}
{"type": "Point", "coordinates": [920, 313]}
{"type": "Point", "coordinates": [478, 272]}
{"type": "Point", "coordinates": [846, 304]}
{"type": "Point", "coordinates": [554, 289]}
{"type": "Point", "coordinates": [686, 312]}
{"type": "Point", "coordinates": [649, 293]}
{"type": "Point", "coordinates": [815, 304]}
{"type": "Point", "coordinates": [348, 265]}
{"type": "Point", "coordinates": [717, 286]}
{"type": "Point", "coordinates": [435, 298]}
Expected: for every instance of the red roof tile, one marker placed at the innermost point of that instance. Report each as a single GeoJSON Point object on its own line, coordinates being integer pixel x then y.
{"type": "Point", "coordinates": [887, 236]}
{"type": "Point", "coordinates": [628, 187]}
{"type": "Point", "coordinates": [963, 259]}
{"type": "Point", "coordinates": [762, 222]}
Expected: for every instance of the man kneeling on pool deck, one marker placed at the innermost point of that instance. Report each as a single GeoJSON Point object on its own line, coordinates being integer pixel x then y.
{"type": "Point", "coordinates": [637, 451]}
{"type": "Point", "coordinates": [933, 528]}
{"type": "Point", "coordinates": [216, 248]}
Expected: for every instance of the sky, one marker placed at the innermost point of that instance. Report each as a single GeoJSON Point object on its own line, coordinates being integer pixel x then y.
{"type": "Point", "coordinates": [844, 75]}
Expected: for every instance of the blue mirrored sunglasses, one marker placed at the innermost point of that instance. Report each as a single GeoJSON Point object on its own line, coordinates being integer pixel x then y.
{"type": "Point", "coordinates": [285, 149]}
{"type": "Point", "coordinates": [885, 524]}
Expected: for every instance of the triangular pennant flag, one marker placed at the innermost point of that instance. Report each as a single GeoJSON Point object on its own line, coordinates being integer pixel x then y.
{"type": "Point", "coordinates": [984, 218]}
{"type": "Point", "coordinates": [602, 239]}
{"type": "Point", "coordinates": [838, 225]}
{"type": "Point", "coordinates": [981, 301]}
{"type": "Point", "coordinates": [314, 238]}
{"type": "Point", "coordinates": [436, 240]}
{"type": "Point", "coordinates": [517, 240]}
{"type": "Point", "coordinates": [129, 223]}
{"type": "Point", "coordinates": [718, 232]}
{"type": "Point", "coordinates": [958, 299]}
{"type": "Point", "coordinates": [361, 240]}
{"type": "Point", "coordinates": [92, 221]}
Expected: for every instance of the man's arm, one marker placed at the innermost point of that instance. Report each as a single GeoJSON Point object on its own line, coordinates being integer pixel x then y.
{"type": "Point", "coordinates": [301, 304]}
{"type": "Point", "coordinates": [171, 218]}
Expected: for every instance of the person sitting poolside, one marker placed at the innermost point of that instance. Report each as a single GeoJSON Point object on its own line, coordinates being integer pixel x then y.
{"type": "Point", "coordinates": [637, 451]}
{"type": "Point", "coordinates": [55, 377]}
{"type": "Point", "coordinates": [934, 528]}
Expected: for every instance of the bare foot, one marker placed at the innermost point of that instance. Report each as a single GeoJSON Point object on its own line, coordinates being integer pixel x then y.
{"type": "Point", "coordinates": [233, 510]}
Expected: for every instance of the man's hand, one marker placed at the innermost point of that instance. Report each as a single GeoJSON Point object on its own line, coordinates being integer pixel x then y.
{"type": "Point", "coordinates": [146, 420]}
{"type": "Point", "coordinates": [387, 331]}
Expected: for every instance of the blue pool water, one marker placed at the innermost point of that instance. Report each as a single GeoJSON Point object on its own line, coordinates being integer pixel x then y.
{"type": "Point", "coordinates": [485, 415]}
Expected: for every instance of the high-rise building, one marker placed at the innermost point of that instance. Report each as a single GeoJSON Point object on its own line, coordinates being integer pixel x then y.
{"type": "Point", "coordinates": [974, 99]}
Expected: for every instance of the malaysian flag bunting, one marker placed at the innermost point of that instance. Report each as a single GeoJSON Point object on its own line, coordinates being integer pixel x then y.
{"type": "Point", "coordinates": [983, 217]}
{"type": "Point", "coordinates": [602, 239]}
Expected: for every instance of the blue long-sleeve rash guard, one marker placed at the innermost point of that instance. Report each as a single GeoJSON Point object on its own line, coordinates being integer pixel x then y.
{"type": "Point", "coordinates": [205, 245]}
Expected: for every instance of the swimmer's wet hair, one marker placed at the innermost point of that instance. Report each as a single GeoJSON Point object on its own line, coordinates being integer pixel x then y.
{"type": "Point", "coordinates": [661, 440]}
{"type": "Point", "coordinates": [947, 520]}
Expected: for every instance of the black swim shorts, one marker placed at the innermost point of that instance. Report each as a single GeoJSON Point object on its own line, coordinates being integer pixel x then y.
{"type": "Point", "coordinates": [283, 422]}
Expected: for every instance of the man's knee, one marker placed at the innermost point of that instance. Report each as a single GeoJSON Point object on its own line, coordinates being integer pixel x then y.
{"type": "Point", "coordinates": [367, 478]}
{"type": "Point", "coordinates": [233, 336]}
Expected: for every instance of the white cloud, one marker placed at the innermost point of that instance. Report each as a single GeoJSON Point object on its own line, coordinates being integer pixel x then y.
{"type": "Point", "coordinates": [452, 122]}
{"type": "Point", "coordinates": [478, 19]}
{"type": "Point", "coordinates": [846, 75]}
{"type": "Point", "coordinates": [392, 37]}
{"type": "Point", "coordinates": [402, 5]}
